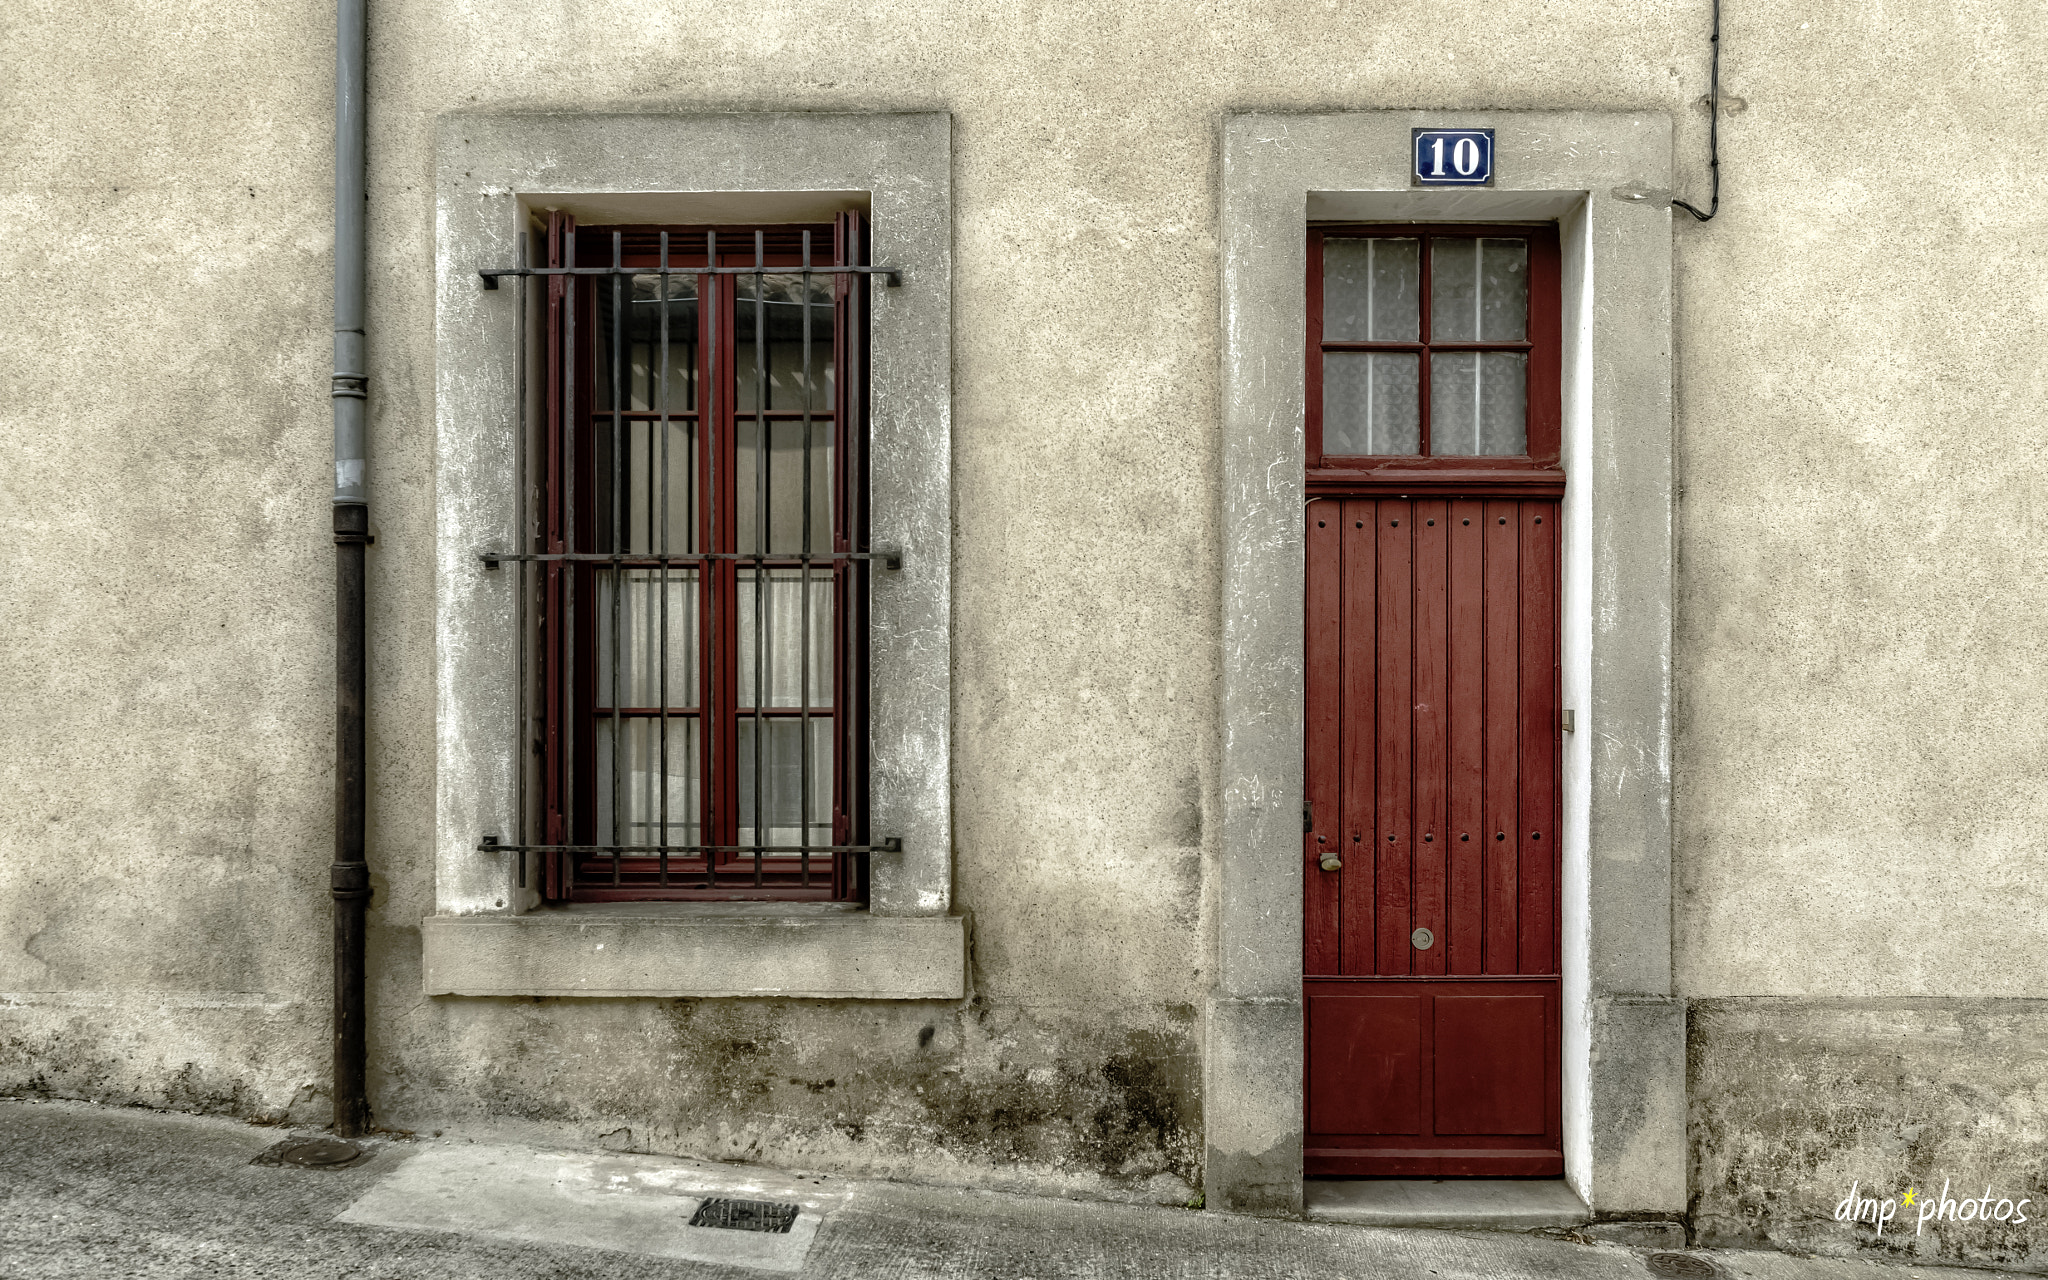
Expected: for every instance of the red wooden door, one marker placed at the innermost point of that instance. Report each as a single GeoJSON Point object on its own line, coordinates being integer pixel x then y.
{"type": "Point", "coordinates": [1431, 939]}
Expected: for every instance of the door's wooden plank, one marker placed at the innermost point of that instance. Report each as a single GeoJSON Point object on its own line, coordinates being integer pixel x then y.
{"type": "Point", "coordinates": [1465, 814]}
{"type": "Point", "coordinates": [1394, 803]}
{"type": "Point", "coordinates": [1503, 733]}
{"type": "Point", "coordinates": [1431, 728]}
{"type": "Point", "coordinates": [1325, 647]}
{"type": "Point", "coordinates": [1360, 750]}
{"type": "Point", "coordinates": [1537, 836]}
{"type": "Point", "coordinates": [1365, 1060]}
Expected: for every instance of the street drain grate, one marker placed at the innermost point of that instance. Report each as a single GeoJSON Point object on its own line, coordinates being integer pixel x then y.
{"type": "Point", "coordinates": [314, 1153]}
{"type": "Point", "coordinates": [1684, 1265]}
{"type": "Point", "coordinates": [745, 1215]}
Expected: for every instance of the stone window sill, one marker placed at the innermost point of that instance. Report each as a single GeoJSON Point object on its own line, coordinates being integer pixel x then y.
{"type": "Point", "coordinates": [821, 951]}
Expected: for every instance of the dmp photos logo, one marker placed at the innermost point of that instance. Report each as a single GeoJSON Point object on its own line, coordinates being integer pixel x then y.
{"type": "Point", "coordinates": [1878, 1213]}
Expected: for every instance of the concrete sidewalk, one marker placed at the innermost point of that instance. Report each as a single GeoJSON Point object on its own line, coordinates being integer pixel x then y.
{"type": "Point", "coordinates": [87, 1191]}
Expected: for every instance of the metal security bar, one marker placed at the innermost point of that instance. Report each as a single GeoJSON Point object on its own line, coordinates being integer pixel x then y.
{"type": "Point", "coordinates": [697, 569]}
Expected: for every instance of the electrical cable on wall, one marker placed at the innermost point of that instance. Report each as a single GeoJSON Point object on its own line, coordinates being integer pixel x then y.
{"type": "Point", "coordinates": [1713, 126]}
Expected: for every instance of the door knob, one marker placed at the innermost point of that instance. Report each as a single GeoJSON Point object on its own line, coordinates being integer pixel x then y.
{"type": "Point", "coordinates": [1332, 864]}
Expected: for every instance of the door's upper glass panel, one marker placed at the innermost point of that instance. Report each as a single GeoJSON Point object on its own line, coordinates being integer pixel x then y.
{"type": "Point", "coordinates": [1478, 404]}
{"type": "Point", "coordinates": [1372, 289]}
{"type": "Point", "coordinates": [1478, 290]}
{"type": "Point", "coordinates": [1372, 402]}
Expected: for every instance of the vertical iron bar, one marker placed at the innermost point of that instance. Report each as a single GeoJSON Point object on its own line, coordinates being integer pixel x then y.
{"type": "Point", "coordinates": [618, 506]}
{"type": "Point", "coordinates": [804, 586]}
{"type": "Point", "coordinates": [761, 455]}
{"type": "Point", "coordinates": [522, 754]}
{"type": "Point", "coordinates": [711, 693]}
{"type": "Point", "coordinates": [571, 474]}
{"type": "Point", "coordinates": [661, 661]}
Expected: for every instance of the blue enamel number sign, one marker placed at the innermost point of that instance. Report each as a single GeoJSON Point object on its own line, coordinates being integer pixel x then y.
{"type": "Point", "coordinates": [1454, 157]}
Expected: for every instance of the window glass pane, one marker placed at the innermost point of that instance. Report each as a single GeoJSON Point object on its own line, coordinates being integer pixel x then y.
{"type": "Point", "coordinates": [779, 301]}
{"type": "Point", "coordinates": [786, 471]}
{"type": "Point", "coordinates": [633, 745]}
{"type": "Point", "coordinates": [640, 367]}
{"type": "Point", "coordinates": [1371, 287]}
{"type": "Point", "coordinates": [646, 479]}
{"type": "Point", "coordinates": [1478, 403]}
{"type": "Point", "coordinates": [780, 614]}
{"type": "Point", "coordinates": [783, 780]}
{"type": "Point", "coordinates": [1478, 290]}
{"type": "Point", "coordinates": [637, 657]}
{"type": "Point", "coordinates": [1371, 402]}
{"type": "Point", "coordinates": [655, 480]}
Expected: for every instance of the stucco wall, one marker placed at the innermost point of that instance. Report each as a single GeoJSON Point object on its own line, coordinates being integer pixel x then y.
{"type": "Point", "coordinates": [1855, 657]}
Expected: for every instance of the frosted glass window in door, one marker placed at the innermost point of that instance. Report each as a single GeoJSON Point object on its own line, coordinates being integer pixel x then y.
{"type": "Point", "coordinates": [1478, 403]}
{"type": "Point", "coordinates": [1371, 402]}
{"type": "Point", "coordinates": [1478, 290]}
{"type": "Point", "coordinates": [1372, 288]}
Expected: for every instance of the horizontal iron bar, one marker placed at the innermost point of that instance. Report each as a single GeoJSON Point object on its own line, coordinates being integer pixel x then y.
{"type": "Point", "coordinates": [490, 844]}
{"type": "Point", "coordinates": [891, 276]}
{"type": "Point", "coordinates": [638, 559]}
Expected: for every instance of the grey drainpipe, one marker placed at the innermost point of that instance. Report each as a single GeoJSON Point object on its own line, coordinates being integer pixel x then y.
{"type": "Point", "coordinates": [351, 871]}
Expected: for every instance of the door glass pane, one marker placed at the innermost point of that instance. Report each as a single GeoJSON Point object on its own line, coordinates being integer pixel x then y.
{"type": "Point", "coordinates": [1478, 290]}
{"type": "Point", "coordinates": [1371, 402]}
{"type": "Point", "coordinates": [1478, 403]}
{"type": "Point", "coordinates": [783, 780]}
{"type": "Point", "coordinates": [1371, 288]}
{"type": "Point", "coordinates": [631, 763]}
{"type": "Point", "coordinates": [634, 664]}
{"type": "Point", "coordinates": [779, 610]}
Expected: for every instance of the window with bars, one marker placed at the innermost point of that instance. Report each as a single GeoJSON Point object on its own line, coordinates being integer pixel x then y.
{"type": "Point", "coordinates": [1437, 346]}
{"type": "Point", "coordinates": [698, 570]}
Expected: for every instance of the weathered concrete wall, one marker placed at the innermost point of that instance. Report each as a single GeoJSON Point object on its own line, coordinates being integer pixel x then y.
{"type": "Point", "coordinates": [1855, 658]}
{"type": "Point", "coordinates": [1797, 1101]}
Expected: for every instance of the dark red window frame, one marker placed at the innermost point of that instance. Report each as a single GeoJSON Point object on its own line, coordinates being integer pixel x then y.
{"type": "Point", "coordinates": [1535, 472]}
{"type": "Point", "coordinates": [589, 865]}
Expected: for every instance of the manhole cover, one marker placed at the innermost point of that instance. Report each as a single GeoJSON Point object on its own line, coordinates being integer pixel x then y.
{"type": "Point", "coordinates": [744, 1215]}
{"type": "Point", "coordinates": [314, 1153]}
{"type": "Point", "coordinates": [1680, 1264]}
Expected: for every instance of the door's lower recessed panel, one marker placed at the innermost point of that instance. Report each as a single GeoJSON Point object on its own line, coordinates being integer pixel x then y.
{"type": "Point", "coordinates": [1365, 1063]}
{"type": "Point", "coordinates": [1447, 1077]}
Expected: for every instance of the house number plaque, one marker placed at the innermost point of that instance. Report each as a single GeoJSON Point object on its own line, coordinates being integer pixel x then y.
{"type": "Point", "coordinates": [1453, 158]}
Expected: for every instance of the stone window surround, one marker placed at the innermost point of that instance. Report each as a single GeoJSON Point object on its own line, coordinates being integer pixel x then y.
{"type": "Point", "coordinates": [492, 173]}
{"type": "Point", "coordinates": [1623, 1031]}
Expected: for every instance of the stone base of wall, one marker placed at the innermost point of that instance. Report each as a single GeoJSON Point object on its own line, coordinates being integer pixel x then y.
{"type": "Point", "coordinates": [1795, 1101]}
{"type": "Point", "coordinates": [252, 1054]}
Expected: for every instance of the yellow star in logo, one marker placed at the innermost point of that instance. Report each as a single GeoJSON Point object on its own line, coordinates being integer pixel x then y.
{"type": "Point", "coordinates": [1907, 1199]}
